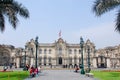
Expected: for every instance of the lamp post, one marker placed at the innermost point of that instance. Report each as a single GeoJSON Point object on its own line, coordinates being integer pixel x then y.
{"type": "Point", "coordinates": [88, 58]}
{"type": "Point", "coordinates": [25, 60]}
{"type": "Point", "coordinates": [31, 55]}
{"type": "Point", "coordinates": [36, 44]}
{"type": "Point", "coordinates": [82, 65]}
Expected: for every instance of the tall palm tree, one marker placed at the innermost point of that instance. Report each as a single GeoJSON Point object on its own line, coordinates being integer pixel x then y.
{"type": "Point", "coordinates": [102, 6]}
{"type": "Point", "coordinates": [10, 9]}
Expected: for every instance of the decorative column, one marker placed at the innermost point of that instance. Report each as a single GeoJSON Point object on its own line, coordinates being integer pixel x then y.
{"type": "Point", "coordinates": [54, 61]}
{"type": "Point", "coordinates": [94, 62]}
{"type": "Point", "coordinates": [32, 61]}
{"type": "Point", "coordinates": [31, 57]}
{"type": "Point", "coordinates": [77, 60]}
{"type": "Point", "coordinates": [89, 69]}
{"type": "Point", "coordinates": [25, 68]}
{"type": "Point", "coordinates": [72, 61]}
{"type": "Point", "coordinates": [18, 62]}
{"type": "Point", "coordinates": [108, 62]}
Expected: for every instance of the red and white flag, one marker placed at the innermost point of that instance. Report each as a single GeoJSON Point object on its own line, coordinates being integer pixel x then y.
{"type": "Point", "coordinates": [60, 33]}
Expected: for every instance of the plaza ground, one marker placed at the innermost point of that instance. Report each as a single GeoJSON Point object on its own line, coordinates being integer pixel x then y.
{"type": "Point", "coordinates": [60, 75]}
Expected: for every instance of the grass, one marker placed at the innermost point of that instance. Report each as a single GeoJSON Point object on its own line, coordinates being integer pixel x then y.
{"type": "Point", "coordinates": [102, 75]}
{"type": "Point", "coordinates": [16, 75]}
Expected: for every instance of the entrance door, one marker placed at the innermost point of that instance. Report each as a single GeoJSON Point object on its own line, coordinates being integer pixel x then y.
{"type": "Point", "coordinates": [101, 61]}
{"type": "Point", "coordinates": [60, 61]}
{"type": "Point", "coordinates": [102, 65]}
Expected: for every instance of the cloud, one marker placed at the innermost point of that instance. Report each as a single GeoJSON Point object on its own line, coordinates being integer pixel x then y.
{"type": "Point", "coordinates": [102, 35]}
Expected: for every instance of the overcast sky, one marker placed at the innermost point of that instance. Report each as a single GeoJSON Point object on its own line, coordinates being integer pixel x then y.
{"type": "Point", "coordinates": [73, 17]}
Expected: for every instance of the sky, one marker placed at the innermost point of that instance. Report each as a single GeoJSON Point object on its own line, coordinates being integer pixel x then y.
{"type": "Point", "coordinates": [74, 18]}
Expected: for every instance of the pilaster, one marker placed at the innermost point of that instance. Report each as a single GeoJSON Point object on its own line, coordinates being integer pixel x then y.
{"type": "Point", "coordinates": [94, 62]}
{"type": "Point", "coordinates": [108, 62]}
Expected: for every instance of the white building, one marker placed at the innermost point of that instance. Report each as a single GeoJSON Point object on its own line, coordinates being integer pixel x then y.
{"type": "Point", "coordinates": [60, 54]}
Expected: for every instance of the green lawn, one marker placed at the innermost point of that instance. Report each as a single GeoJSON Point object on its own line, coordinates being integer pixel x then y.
{"type": "Point", "coordinates": [16, 75]}
{"type": "Point", "coordinates": [106, 75]}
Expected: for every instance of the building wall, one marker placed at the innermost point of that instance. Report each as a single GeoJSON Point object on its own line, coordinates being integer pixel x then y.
{"type": "Point", "coordinates": [61, 54]}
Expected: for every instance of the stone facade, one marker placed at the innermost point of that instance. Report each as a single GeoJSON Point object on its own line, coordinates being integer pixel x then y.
{"type": "Point", "coordinates": [60, 54]}
{"type": "Point", "coordinates": [108, 57]}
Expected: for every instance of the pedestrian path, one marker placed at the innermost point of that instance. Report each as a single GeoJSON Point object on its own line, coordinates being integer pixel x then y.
{"type": "Point", "coordinates": [60, 75]}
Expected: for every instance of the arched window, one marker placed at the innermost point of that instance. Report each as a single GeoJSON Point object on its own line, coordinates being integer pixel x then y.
{"type": "Point", "coordinates": [91, 50]}
{"type": "Point", "coordinates": [45, 58]}
{"type": "Point", "coordinates": [75, 60]}
{"type": "Point", "coordinates": [60, 50]}
{"type": "Point", "coordinates": [70, 60]}
{"type": "Point", "coordinates": [49, 59]}
{"type": "Point", "coordinates": [40, 61]}
{"type": "Point", "coordinates": [49, 51]}
{"type": "Point", "coordinates": [75, 51]}
{"type": "Point", "coordinates": [70, 51]}
{"type": "Point", "coordinates": [32, 51]}
{"type": "Point", "coordinates": [45, 51]}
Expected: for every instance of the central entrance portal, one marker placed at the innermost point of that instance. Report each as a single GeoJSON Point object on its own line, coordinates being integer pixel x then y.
{"type": "Point", "coordinates": [60, 61]}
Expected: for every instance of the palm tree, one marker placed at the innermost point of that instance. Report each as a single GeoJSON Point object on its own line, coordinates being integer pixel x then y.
{"type": "Point", "coordinates": [10, 9]}
{"type": "Point", "coordinates": [102, 6]}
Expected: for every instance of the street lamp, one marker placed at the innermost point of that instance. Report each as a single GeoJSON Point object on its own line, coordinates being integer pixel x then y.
{"type": "Point", "coordinates": [88, 58]}
{"type": "Point", "coordinates": [82, 65]}
{"type": "Point", "coordinates": [36, 44]}
{"type": "Point", "coordinates": [25, 60]}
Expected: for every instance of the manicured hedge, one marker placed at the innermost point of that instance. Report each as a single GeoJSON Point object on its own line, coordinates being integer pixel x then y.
{"type": "Point", "coordinates": [14, 75]}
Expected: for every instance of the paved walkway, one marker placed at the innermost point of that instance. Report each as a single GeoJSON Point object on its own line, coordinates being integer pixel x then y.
{"type": "Point", "coordinates": [60, 75]}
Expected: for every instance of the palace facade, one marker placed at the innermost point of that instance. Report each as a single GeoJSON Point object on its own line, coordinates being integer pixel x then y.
{"type": "Point", "coordinates": [60, 54]}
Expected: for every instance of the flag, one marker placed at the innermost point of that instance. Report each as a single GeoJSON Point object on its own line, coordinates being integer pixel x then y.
{"type": "Point", "coordinates": [60, 33]}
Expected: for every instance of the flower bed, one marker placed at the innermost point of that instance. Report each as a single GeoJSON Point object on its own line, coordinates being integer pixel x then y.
{"type": "Point", "coordinates": [111, 70]}
{"type": "Point", "coordinates": [6, 71]}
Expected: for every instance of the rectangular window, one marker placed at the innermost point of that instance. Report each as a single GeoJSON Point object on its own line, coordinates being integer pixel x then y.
{"type": "Point", "coordinates": [40, 51]}
{"type": "Point", "coordinates": [70, 51]}
{"type": "Point", "coordinates": [50, 51]}
{"type": "Point", "coordinates": [45, 51]}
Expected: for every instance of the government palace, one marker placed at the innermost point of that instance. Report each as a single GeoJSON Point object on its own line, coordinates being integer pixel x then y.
{"type": "Point", "coordinates": [60, 54]}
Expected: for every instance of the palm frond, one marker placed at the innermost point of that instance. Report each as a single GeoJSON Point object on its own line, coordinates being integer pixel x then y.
{"type": "Point", "coordinates": [11, 14]}
{"type": "Point", "coordinates": [20, 9]}
{"type": "Point", "coordinates": [13, 20]}
{"type": "Point", "coordinates": [11, 9]}
{"type": "Point", "coordinates": [2, 22]}
{"type": "Point", "coordinates": [118, 22]}
{"type": "Point", "coordinates": [102, 6]}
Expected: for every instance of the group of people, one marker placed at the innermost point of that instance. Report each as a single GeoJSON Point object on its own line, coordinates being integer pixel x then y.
{"type": "Point", "coordinates": [76, 68]}
{"type": "Point", "coordinates": [34, 71]}
{"type": "Point", "coordinates": [5, 67]}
